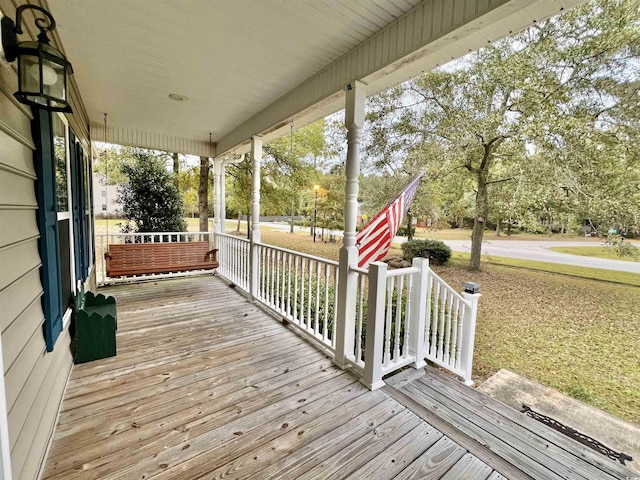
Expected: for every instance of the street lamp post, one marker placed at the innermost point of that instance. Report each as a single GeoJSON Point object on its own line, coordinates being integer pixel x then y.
{"type": "Point", "coordinates": [315, 211]}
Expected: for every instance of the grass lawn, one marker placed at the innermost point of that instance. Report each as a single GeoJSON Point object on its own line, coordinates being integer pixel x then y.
{"type": "Point", "coordinates": [591, 251]}
{"type": "Point", "coordinates": [576, 335]}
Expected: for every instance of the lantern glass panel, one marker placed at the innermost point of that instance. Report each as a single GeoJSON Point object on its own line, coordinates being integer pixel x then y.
{"type": "Point", "coordinates": [53, 79]}
{"type": "Point", "coordinates": [30, 75]}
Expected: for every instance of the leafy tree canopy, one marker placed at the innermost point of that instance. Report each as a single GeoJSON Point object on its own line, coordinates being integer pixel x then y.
{"type": "Point", "coordinates": [151, 202]}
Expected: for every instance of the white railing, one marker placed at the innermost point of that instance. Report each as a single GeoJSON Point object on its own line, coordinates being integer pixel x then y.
{"type": "Point", "coordinates": [356, 358]}
{"type": "Point", "coordinates": [103, 242]}
{"type": "Point", "coordinates": [301, 288]}
{"type": "Point", "coordinates": [413, 316]}
{"type": "Point", "coordinates": [450, 327]}
{"type": "Point", "coordinates": [233, 256]}
{"type": "Point", "coordinates": [403, 316]}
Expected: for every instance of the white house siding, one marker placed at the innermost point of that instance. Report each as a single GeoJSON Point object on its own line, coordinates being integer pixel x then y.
{"type": "Point", "coordinates": [34, 379]}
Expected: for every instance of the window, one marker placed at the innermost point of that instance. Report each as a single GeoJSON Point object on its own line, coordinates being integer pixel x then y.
{"type": "Point", "coordinates": [60, 156]}
{"type": "Point", "coordinates": [63, 200]}
{"type": "Point", "coordinates": [103, 193]}
{"type": "Point", "coordinates": [104, 207]}
{"type": "Point", "coordinates": [65, 243]}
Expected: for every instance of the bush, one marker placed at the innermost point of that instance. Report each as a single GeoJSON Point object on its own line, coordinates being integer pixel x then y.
{"type": "Point", "coordinates": [616, 244]}
{"type": "Point", "coordinates": [150, 200]}
{"type": "Point", "coordinates": [437, 252]}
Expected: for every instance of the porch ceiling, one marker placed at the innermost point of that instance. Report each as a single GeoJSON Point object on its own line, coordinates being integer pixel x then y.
{"type": "Point", "coordinates": [248, 67]}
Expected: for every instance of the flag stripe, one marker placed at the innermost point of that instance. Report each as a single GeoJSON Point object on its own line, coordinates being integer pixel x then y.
{"type": "Point", "coordinates": [374, 240]}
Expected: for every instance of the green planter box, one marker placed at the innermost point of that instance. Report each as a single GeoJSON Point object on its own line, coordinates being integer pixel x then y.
{"type": "Point", "coordinates": [96, 324]}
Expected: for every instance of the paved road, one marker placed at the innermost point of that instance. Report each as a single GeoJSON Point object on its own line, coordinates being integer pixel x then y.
{"type": "Point", "coordinates": [525, 249]}
{"type": "Point", "coordinates": [539, 250]}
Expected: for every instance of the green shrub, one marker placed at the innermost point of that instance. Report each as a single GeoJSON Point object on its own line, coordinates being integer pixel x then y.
{"type": "Point", "coordinates": [616, 244]}
{"type": "Point", "coordinates": [437, 252]}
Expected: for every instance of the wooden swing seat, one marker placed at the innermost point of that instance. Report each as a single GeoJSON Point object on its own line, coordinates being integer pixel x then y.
{"type": "Point", "coordinates": [155, 258]}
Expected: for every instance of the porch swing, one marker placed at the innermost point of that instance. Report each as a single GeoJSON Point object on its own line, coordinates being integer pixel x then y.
{"type": "Point", "coordinates": [135, 257]}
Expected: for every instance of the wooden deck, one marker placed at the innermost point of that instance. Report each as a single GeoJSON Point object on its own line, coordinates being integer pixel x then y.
{"type": "Point", "coordinates": [206, 385]}
{"type": "Point", "coordinates": [507, 435]}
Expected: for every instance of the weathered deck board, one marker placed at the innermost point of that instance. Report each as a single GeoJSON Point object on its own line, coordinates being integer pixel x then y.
{"type": "Point", "coordinates": [401, 454]}
{"type": "Point", "coordinates": [533, 448]}
{"type": "Point", "coordinates": [206, 385]}
{"type": "Point", "coordinates": [468, 467]}
{"type": "Point", "coordinates": [433, 463]}
{"type": "Point", "coordinates": [578, 451]}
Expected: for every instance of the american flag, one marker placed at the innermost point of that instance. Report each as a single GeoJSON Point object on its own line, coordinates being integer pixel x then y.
{"type": "Point", "coordinates": [374, 240]}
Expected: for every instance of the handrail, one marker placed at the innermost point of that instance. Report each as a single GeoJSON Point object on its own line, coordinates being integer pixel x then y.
{"type": "Point", "coordinates": [402, 271]}
{"type": "Point", "coordinates": [134, 234]}
{"type": "Point", "coordinates": [299, 254]}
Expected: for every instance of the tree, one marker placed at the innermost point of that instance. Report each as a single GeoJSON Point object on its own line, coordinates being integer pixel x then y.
{"type": "Point", "coordinates": [535, 96]}
{"type": "Point", "coordinates": [203, 195]}
{"type": "Point", "coordinates": [176, 169]}
{"type": "Point", "coordinates": [240, 175]}
{"type": "Point", "coordinates": [108, 164]}
{"type": "Point", "coordinates": [291, 164]}
{"type": "Point", "coordinates": [150, 200]}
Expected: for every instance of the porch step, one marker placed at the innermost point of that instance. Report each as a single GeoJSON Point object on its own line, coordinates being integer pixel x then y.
{"type": "Point", "coordinates": [615, 433]}
{"type": "Point", "coordinates": [535, 450]}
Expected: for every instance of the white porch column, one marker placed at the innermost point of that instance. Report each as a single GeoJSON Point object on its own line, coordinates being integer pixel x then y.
{"type": "Point", "coordinates": [256, 155]}
{"type": "Point", "coordinates": [346, 309]}
{"type": "Point", "coordinates": [217, 172]}
{"type": "Point", "coordinates": [223, 196]}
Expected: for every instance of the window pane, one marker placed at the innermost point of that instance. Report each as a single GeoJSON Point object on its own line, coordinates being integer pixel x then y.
{"type": "Point", "coordinates": [60, 155]}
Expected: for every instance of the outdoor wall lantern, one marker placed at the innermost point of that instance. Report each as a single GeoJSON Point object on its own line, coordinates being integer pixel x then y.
{"type": "Point", "coordinates": [42, 69]}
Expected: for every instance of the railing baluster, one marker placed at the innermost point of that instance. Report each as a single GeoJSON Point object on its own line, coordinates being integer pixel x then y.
{"type": "Point", "coordinates": [325, 318]}
{"type": "Point", "coordinates": [316, 328]}
{"type": "Point", "coordinates": [274, 277]}
{"type": "Point", "coordinates": [276, 302]}
{"type": "Point", "coordinates": [359, 316]}
{"type": "Point", "coordinates": [434, 321]}
{"type": "Point", "coordinates": [310, 296]}
{"type": "Point", "coordinates": [447, 346]}
{"type": "Point", "coordinates": [463, 314]}
{"type": "Point", "coordinates": [443, 299]}
{"type": "Point", "coordinates": [398, 319]}
{"type": "Point", "coordinates": [388, 318]}
{"type": "Point", "coordinates": [408, 319]}
{"type": "Point", "coordinates": [295, 289]}
{"type": "Point", "coordinates": [454, 334]}
{"type": "Point", "coordinates": [335, 304]}
{"type": "Point", "coordinates": [283, 297]}
{"type": "Point", "coordinates": [289, 273]}
{"type": "Point", "coordinates": [302, 304]}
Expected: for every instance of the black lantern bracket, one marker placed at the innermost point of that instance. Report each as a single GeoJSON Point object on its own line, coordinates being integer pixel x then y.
{"type": "Point", "coordinates": [42, 69]}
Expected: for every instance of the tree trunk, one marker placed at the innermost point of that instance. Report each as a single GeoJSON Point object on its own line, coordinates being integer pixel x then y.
{"type": "Point", "coordinates": [239, 220]}
{"type": "Point", "coordinates": [482, 211]}
{"type": "Point", "coordinates": [203, 195]}
{"type": "Point", "coordinates": [409, 226]}
{"type": "Point", "coordinates": [293, 212]}
{"type": "Point", "coordinates": [509, 228]}
{"type": "Point", "coordinates": [176, 169]}
{"type": "Point", "coordinates": [498, 227]}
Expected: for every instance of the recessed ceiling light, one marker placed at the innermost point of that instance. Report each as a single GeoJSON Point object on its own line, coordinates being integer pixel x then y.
{"type": "Point", "coordinates": [177, 97]}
